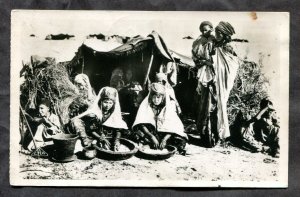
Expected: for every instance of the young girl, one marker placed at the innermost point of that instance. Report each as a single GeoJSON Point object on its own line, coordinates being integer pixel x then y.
{"type": "Point", "coordinates": [102, 119]}
{"type": "Point", "coordinates": [156, 123]}
{"type": "Point", "coordinates": [48, 127]}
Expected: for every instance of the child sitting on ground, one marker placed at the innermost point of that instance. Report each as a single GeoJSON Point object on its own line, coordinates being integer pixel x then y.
{"type": "Point", "coordinates": [48, 126]}
{"type": "Point", "coordinates": [156, 123]}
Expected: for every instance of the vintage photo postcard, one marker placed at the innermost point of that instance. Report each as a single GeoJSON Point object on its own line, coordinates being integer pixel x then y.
{"type": "Point", "coordinates": [149, 99]}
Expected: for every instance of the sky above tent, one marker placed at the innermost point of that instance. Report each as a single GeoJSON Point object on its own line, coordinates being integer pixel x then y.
{"type": "Point", "coordinates": [261, 29]}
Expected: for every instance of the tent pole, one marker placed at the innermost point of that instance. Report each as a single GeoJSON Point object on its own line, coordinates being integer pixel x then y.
{"type": "Point", "coordinates": [148, 71]}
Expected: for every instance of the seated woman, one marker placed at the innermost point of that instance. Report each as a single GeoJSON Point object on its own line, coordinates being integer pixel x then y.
{"type": "Point", "coordinates": [81, 102]}
{"type": "Point", "coordinates": [48, 126]}
{"type": "Point", "coordinates": [86, 91]}
{"type": "Point", "coordinates": [156, 123]}
{"type": "Point", "coordinates": [102, 119]}
{"type": "Point", "coordinates": [117, 79]}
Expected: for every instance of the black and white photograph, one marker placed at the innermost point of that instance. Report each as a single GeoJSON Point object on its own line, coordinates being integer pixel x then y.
{"type": "Point", "coordinates": [149, 98]}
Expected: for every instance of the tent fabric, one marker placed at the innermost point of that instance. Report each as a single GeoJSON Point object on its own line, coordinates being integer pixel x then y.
{"type": "Point", "coordinates": [135, 42]}
{"type": "Point", "coordinates": [98, 63]}
{"type": "Point", "coordinates": [161, 46]}
{"type": "Point", "coordinates": [134, 45]}
{"type": "Point", "coordinates": [187, 61]}
{"type": "Point", "coordinates": [100, 45]}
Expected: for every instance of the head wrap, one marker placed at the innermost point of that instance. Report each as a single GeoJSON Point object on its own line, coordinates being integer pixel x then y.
{"type": "Point", "coordinates": [167, 121]}
{"type": "Point", "coordinates": [205, 23]}
{"type": "Point", "coordinates": [161, 77]}
{"type": "Point", "coordinates": [108, 93]}
{"type": "Point", "coordinates": [226, 28]}
{"type": "Point", "coordinates": [158, 88]}
{"type": "Point", "coordinates": [82, 78]}
{"type": "Point", "coordinates": [86, 83]}
{"type": "Point", "coordinates": [115, 119]}
{"type": "Point", "coordinates": [265, 102]}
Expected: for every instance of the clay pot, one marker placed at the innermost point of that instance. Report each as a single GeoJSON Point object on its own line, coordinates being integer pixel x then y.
{"type": "Point", "coordinates": [63, 148]}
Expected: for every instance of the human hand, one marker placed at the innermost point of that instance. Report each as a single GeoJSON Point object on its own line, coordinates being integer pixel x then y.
{"type": "Point", "coordinates": [155, 142]}
{"type": "Point", "coordinates": [54, 130]}
{"type": "Point", "coordinates": [117, 145]}
{"type": "Point", "coordinates": [105, 143]}
{"type": "Point", "coordinates": [264, 137]}
{"type": "Point", "coordinates": [85, 142]}
{"type": "Point", "coordinates": [163, 144]}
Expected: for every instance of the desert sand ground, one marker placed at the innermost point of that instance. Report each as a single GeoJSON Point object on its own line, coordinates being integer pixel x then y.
{"type": "Point", "coordinates": [205, 164]}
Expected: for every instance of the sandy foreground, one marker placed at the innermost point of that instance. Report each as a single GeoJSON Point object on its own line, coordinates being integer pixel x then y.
{"type": "Point", "coordinates": [205, 164]}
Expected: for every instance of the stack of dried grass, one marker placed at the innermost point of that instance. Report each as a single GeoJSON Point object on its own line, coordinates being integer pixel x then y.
{"type": "Point", "coordinates": [44, 78]}
{"type": "Point", "coordinates": [249, 89]}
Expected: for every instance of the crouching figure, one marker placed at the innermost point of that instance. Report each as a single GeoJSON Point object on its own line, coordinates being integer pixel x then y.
{"type": "Point", "coordinates": [48, 126]}
{"type": "Point", "coordinates": [101, 120]}
{"type": "Point", "coordinates": [156, 123]}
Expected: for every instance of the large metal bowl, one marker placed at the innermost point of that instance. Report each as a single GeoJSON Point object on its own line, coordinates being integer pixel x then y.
{"type": "Point", "coordinates": [157, 156]}
{"type": "Point", "coordinates": [114, 155]}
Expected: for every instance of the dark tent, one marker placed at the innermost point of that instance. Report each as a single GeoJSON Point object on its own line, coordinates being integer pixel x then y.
{"type": "Point", "coordinates": [143, 55]}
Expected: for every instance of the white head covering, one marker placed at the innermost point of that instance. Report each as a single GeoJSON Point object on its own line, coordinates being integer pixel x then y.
{"type": "Point", "coordinates": [85, 79]}
{"type": "Point", "coordinates": [167, 121]}
{"type": "Point", "coordinates": [115, 119]}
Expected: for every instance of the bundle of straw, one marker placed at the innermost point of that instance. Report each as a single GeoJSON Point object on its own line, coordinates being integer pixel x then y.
{"type": "Point", "coordinates": [249, 89]}
{"type": "Point", "coordinates": [49, 80]}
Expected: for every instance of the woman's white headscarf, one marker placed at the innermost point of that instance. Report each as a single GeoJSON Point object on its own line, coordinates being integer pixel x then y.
{"type": "Point", "coordinates": [167, 121]}
{"type": "Point", "coordinates": [115, 119]}
{"type": "Point", "coordinates": [86, 83]}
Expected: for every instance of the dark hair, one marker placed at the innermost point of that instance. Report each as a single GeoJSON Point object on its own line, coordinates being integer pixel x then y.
{"type": "Point", "coordinates": [264, 103]}
{"type": "Point", "coordinates": [268, 113]}
{"type": "Point", "coordinates": [45, 102]}
{"type": "Point", "coordinates": [204, 23]}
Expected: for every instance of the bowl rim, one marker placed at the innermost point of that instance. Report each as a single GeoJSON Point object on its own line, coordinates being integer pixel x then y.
{"type": "Point", "coordinates": [174, 149]}
{"type": "Point", "coordinates": [132, 151]}
{"type": "Point", "coordinates": [57, 137]}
